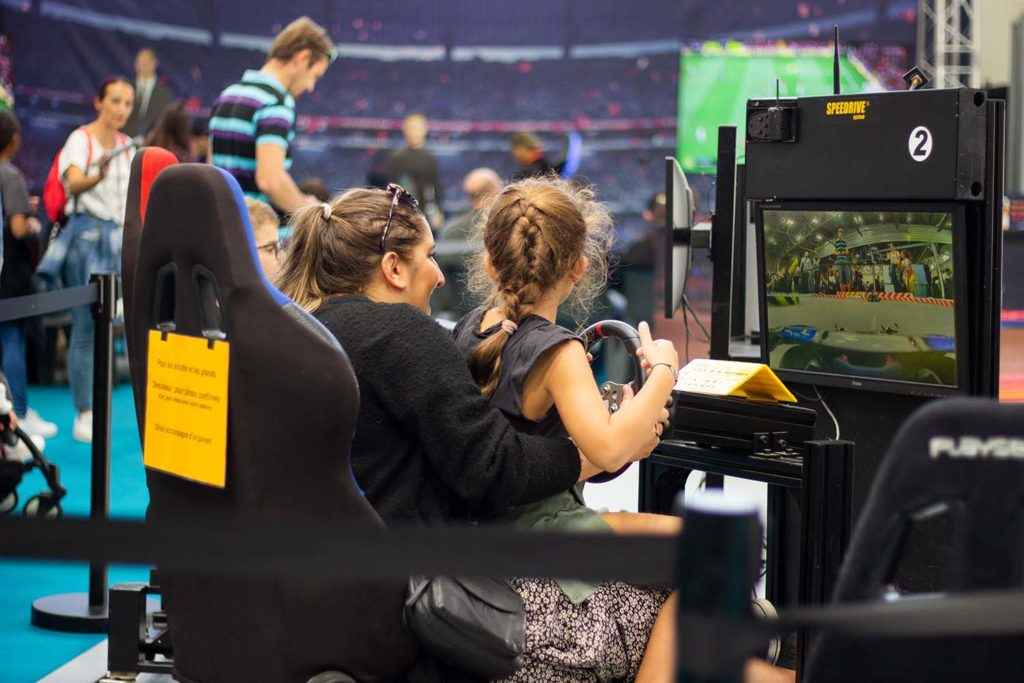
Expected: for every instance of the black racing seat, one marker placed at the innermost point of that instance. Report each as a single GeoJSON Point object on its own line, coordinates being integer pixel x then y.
{"type": "Point", "coordinates": [955, 468]}
{"type": "Point", "coordinates": [293, 402]}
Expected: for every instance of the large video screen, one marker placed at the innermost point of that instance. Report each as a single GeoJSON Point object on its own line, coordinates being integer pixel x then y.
{"type": "Point", "coordinates": [864, 295]}
{"type": "Point", "coordinates": [717, 78]}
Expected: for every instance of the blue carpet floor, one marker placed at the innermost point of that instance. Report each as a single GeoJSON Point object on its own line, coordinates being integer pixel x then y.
{"type": "Point", "coordinates": [28, 653]}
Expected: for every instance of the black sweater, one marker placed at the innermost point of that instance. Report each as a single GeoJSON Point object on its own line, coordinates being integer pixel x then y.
{"type": "Point", "coordinates": [428, 447]}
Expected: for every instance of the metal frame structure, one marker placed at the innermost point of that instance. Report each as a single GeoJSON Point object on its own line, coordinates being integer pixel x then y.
{"type": "Point", "coordinates": [947, 42]}
{"type": "Point", "coordinates": [809, 509]}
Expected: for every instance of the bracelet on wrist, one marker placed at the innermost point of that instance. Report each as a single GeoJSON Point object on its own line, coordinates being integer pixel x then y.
{"type": "Point", "coordinates": [675, 373]}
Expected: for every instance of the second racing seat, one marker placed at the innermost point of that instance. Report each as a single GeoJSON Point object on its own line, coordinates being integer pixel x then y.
{"type": "Point", "coordinates": [293, 403]}
{"type": "Point", "coordinates": [957, 468]}
{"type": "Point", "coordinates": [146, 165]}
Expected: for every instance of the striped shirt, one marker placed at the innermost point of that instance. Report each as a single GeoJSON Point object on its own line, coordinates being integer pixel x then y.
{"type": "Point", "coordinates": [840, 247]}
{"type": "Point", "coordinates": [255, 111]}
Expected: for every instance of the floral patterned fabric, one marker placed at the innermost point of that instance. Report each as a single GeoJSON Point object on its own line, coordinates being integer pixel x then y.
{"type": "Point", "coordinates": [602, 639]}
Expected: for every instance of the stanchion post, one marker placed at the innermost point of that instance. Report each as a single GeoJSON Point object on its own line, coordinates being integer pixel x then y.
{"type": "Point", "coordinates": [87, 612]}
{"type": "Point", "coordinates": [102, 387]}
{"type": "Point", "coordinates": [719, 554]}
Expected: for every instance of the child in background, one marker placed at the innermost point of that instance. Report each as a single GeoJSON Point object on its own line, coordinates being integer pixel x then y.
{"type": "Point", "coordinates": [264, 229]}
{"type": "Point", "coordinates": [21, 230]}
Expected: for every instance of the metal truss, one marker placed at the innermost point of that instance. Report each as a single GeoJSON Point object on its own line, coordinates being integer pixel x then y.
{"type": "Point", "coordinates": [947, 42]}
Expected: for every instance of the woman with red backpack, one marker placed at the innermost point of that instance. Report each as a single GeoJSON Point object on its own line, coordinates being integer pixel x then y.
{"type": "Point", "coordinates": [94, 167]}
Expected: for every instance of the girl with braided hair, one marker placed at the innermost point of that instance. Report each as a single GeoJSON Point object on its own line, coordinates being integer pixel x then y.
{"type": "Point", "coordinates": [545, 241]}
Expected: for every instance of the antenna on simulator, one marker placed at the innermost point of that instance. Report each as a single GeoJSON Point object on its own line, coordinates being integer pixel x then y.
{"type": "Point", "coordinates": [835, 62]}
{"type": "Point", "coordinates": [776, 92]}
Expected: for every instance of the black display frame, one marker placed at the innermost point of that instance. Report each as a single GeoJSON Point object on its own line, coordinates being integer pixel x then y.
{"type": "Point", "coordinates": [961, 314]}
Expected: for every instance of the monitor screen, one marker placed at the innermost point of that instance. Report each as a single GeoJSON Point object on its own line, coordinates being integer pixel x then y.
{"type": "Point", "coordinates": [863, 297]}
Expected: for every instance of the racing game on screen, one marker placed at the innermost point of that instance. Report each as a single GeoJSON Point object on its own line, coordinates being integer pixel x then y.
{"type": "Point", "coordinates": [863, 294]}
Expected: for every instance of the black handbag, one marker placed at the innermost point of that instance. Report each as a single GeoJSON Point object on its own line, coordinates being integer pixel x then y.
{"type": "Point", "coordinates": [475, 625]}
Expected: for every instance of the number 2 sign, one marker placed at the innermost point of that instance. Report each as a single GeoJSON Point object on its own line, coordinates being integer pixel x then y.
{"type": "Point", "coordinates": [920, 143]}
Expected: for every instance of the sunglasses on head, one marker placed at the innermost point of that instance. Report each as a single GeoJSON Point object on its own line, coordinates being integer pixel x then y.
{"type": "Point", "coordinates": [399, 194]}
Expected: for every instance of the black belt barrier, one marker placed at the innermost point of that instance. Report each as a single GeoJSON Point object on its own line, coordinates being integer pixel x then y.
{"type": "Point", "coordinates": [315, 549]}
{"type": "Point", "coordinates": [30, 306]}
{"type": "Point", "coordinates": [319, 550]}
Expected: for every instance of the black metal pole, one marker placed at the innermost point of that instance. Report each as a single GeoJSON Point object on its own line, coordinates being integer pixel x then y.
{"type": "Point", "coordinates": [836, 89]}
{"type": "Point", "coordinates": [102, 387]}
{"type": "Point", "coordinates": [87, 612]}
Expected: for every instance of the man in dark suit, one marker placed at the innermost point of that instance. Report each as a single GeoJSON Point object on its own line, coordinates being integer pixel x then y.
{"type": "Point", "coordinates": [152, 97]}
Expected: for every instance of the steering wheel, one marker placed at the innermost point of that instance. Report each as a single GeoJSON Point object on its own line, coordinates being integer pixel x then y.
{"type": "Point", "coordinates": [612, 392]}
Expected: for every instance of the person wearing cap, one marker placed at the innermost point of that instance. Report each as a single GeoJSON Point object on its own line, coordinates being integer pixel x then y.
{"type": "Point", "coordinates": [527, 150]}
{"type": "Point", "coordinates": [253, 121]}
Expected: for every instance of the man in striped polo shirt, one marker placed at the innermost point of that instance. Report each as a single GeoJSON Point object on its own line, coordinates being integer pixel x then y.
{"type": "Point", "coordinates": [253, 121]}
{"type": "Point", "coordinates": [842, 261]}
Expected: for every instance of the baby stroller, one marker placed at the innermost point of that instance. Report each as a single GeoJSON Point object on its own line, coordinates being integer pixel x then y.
{"type": "Point", "coordinates": [44, 504]}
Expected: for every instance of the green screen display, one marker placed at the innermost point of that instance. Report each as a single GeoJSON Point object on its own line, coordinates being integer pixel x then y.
{"type": "Point", "coordinates": [717, 79]}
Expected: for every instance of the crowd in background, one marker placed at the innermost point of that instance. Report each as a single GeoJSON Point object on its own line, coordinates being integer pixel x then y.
{"type": "Point", "coordinates": [908, 269]}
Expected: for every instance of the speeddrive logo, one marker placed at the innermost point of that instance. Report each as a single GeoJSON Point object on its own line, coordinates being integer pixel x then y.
{"type": "Point", "coordinates": [973, 447]}
{"type": "Point", "coordinates": [855, 109]}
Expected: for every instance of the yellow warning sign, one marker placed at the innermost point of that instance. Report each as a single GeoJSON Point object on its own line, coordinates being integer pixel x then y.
{"type": "Point", "coordinates": [187, 407]}
{"type": "Point", "coordinates": [755, 381]}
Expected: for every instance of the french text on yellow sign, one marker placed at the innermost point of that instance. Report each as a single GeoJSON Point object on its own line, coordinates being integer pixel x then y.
{"type": "Point", "coordinates": [187, 407]}
{"type": "Point", "coordinates": [755, 381]}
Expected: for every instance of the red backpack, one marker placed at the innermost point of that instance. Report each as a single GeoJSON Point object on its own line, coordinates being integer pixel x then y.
{"type": "Point", "coordinates": [55, 195]}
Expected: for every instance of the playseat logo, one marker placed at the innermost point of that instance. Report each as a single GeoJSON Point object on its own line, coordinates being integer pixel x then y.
{"type": "Point", "coordinates": [976, 447]}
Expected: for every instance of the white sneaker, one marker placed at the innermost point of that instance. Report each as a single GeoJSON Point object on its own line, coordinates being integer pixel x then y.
{"type": "Point", "coordinates": [20, 452]}
{"type": "Point", "coordinates": [82, 430]}
{"type": "Point", "coordinates": [32, 423]}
